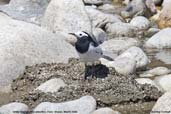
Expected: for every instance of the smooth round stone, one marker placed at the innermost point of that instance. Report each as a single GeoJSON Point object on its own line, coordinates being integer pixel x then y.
{"type": "Point", "coordinates": [105, 111]}
{"type": "Point", "coordinates": [12, 107]}
{"type": "Point", "coordinates": [160, 40]}
{"type": "Point", "coordinates": [125, 65]}
{"type": "Point", "coordinates": [164, 82]}
{"type": "Point", "coordinates": [119, 45]}
{"type": "Point", "coordinates": [147, 81]}
{"type": "Point", "coordinates": [67, 16]}
{"type": "Point", "coordinates": [136, 54]}
{"type": "Point", "coordinates": [120, 29]}
{"type": "Point", "coordinates": [151, 32]}
{"type": "Point", "coordinates": [140, 22]}
{"type": "Point", "coordinates": [52, 85]}
{"type": "Point", "coordinates": [163, 105]}
{"type": "Point", "coordinates": [155, 72]}
{"type": "Point", "coordinates": [84, 105]}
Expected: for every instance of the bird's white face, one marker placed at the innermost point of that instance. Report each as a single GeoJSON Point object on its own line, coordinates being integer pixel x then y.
{"type": "Point", "coordinates": [81, 34]}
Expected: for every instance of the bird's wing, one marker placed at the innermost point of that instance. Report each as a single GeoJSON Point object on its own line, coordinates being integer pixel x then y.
{"type": "Point", "coordinates": [109, 55]}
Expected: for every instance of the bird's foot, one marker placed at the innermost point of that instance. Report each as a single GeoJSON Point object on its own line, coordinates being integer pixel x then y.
{"type": "Point", "coordinates": [98, 62]}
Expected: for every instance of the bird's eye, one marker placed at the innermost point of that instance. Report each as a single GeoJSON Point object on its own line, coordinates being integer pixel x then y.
{"type": "Point", "coordinates": [80, 34]}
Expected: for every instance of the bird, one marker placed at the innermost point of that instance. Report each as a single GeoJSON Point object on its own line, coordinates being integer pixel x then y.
{"type": "Point", "coordinates": [88, 49]}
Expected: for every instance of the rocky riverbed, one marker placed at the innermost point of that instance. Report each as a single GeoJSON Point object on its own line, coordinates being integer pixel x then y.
{"type": "Point", "coordinates": [40, 70]}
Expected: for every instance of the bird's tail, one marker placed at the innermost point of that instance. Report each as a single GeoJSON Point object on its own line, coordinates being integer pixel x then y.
{"type": "Point", "coordinates": [108, 58]}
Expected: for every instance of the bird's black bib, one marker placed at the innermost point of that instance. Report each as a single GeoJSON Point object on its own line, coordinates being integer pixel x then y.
{"type": "Point", "coordinates": [82, 45]}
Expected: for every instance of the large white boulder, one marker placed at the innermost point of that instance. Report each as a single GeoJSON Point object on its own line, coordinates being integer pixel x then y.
{"type": "Point", "coordinates": [66, 16]}
{"type": "Point", "coordinates": [23, 44]}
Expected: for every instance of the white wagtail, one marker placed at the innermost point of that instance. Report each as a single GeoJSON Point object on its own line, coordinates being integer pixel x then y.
{"type": "Point", "coordinates": [88, 48]}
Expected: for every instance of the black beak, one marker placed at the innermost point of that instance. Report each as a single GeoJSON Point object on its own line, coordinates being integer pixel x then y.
{"type": "Point", "coordinates": [72, 34]}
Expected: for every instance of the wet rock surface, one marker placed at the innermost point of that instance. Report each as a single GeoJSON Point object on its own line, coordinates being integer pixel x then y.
{"type": "Point", "coordinates": [107, 91]}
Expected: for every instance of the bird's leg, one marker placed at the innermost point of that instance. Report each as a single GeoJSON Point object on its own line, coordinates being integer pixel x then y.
{"type": "Point", "coordinates": [93, 71]}
{"type": "Point", "coordinates": [86, 72]}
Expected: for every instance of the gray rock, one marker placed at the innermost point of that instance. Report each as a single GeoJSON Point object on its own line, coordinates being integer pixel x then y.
{"type": "Point", "coordinates": [162, 105]}
{"type": "Point", "coordinates": [166, 2]}
{"type": "Point", "coordinates": [105, 111]}
{"type": "Point", "coordinates": [157, 2]}
{"type": "Point", "coordinates": [23, 44]}
{"type": "Point", "coordinates": [160, 40]}
{"type": "Point", "coordinates": [84, 105]}
{"type": "Point", "coordinates": [164, 56]}
{"type": "Point", "coordinates": [2, 2]}
{"type": "Point", "coordinates": [125, 65]}
{"type": "Point", "coordinates": [139, 7]}
{"type": "Point", "coordinates": [93, 2]}
{"type": "Point", "coordinates": [26, 10]}
{"type": "Point", "coordinates": [164, 82]}
{"type": "Point", "coordinates": [147, 81]}
{"type": "Point", "coordinates": [158, 71]}
{"type": "Point", "coordinates": [107, 8]}
{"type": "Point", "coordinates": [100, 19]}
{"type": "Point", "coordinates": [52, 85]}
{"type": "Point", "coordinates": [140, 22]}
{"type": "Point", "coordinates": [151, 32]}
{"type": "Point", "coordinates": [119, 45]}
{"type": "Point", "coordinates": [137, 54]}
{"type": "Point", "coordinates": [12, 107]}
{"type": "Point", "coordinates": [100, 35]}
{"type": "Point", "coordinates": [120, 29]}
{"type": "Point", "coordinates": [97, 2]}
{"type": "Point", "coordinates": [66, 16]}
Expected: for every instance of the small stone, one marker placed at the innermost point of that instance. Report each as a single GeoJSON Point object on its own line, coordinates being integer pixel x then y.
{"type": "Point", "coordinates": [151, 32]}
{"type": "Point", "coordinates": [164, 82]}
{"type": "Point", "coordinates": [158, 71]}
{"type": "Point", "coordinates": [140, 22]}
{"type": "Point", "coordinates": [52, 85]}
{"type": "Point", "coordinates": [105, 111]}
{"type": "Point", "coordinates": [147, 81]}
{"type": "Point", "coordinates": [12, 107]}
{"type": "Point", "coordinates": [93, 2]}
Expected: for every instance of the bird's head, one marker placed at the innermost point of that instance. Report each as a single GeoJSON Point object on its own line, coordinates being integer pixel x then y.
{"type": "Point", "coordinates": [84, 36]}
{"type": "Point", "coordinates": [81, 34]}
